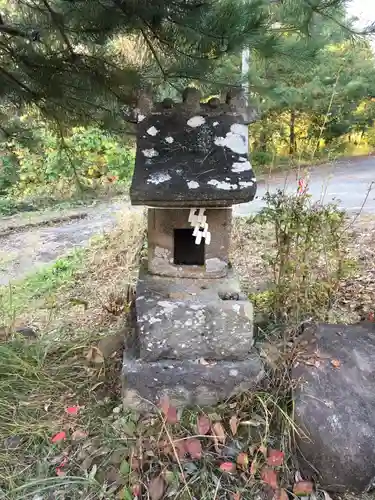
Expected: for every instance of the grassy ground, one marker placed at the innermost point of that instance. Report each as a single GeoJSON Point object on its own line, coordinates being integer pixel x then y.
{"type": "Point", "coordinates": [64, 432]}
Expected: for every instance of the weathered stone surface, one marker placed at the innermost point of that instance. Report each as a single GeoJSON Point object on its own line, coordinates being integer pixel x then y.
{"type": "Point", "coordinates": [188, 319]}
{"type": "Point", "coordinates": [161, 226]}
{"type": "Point", "coordinates": [335, 406]}
{"type": "Point", "coordinates": [186, 382]}
{"type": "Point", "coordinates": [193, 159]}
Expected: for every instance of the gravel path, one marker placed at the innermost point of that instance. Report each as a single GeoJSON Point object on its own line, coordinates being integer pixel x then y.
{"type": "Point", "coordinates": [23, 252]}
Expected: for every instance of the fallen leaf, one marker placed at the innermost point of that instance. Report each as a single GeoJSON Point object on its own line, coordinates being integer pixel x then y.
{"type": "Point", "coordinates": [233, 424]}
{"type": "Point", "coordinates": [125, 494]}
{"type": "Point", "coordinates": [124, 468]}
{"type": "Point", "coordinates": [275, 458]}
{"type": "Point", "coordinates": [94, 355]}
{"type": "Point", "coordinates": [253, 467]}
{"type": "Point", "coordinates": [60, 436]}
{"type": "Point", "coordinates": [72, 410]}
{"type": "Point", "coordinates": [269, 477]}
{"type": "Point", "coordinates": [263, 450]}
{"type": "Point", "coordinates": [60, 472]}
{"type": "Point", "coordinates": [79, 434]}
{"type": "Point", "coordinates": [236, 496]}
{"type": "Point", "coordinates": [335, 363]}
{"type": "Point", "coordinates": [281, 494]}
{"type": "Point", "coordinates": [180, 447]}
{"type": "Point", "coordinates": [228, 467]}
{"type": "Point", "coordinates": [243, 460]}
{"type": "Point", "coordinates": [203, 425]}
{"type": "Point", "coordinates": [63, 462]}
{"type": "Point", "coordinates": [156, 488]}
{"type": "Point", "coordinates": [169, 411]}
{"type": "Point", "coordinates": [136, 490]}
{"type": "Point", "coordinates": [194, 448]}
{"type": "Point", "coordinates": [219, 432]}
{"type": "Point", "coordinates": [303, 488]}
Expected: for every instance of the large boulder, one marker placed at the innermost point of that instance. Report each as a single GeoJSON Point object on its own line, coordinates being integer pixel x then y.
{"type": "Point", "coordinates": [335, 406]}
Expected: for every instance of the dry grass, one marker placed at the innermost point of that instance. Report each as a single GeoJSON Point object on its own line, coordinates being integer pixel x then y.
{"type": "Point", "coordinates": [82, 303]}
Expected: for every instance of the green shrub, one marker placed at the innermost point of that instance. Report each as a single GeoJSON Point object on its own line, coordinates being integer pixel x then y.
{"type": "Point", "coordinates": [87, 158]}
{"type": "Point", "coordinates": [262, 158]}
{"type": "Point", "coordinates": [309, 257]}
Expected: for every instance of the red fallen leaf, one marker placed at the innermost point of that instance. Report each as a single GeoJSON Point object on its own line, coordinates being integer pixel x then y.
{"type": "Point", "coordinates": [269, 477]}
{"type": "Point", "coordinates": [371, 316]}
{"type": "Point", "coordinates": [303, 488]}
{"type": "Point", "coordinates": [275, 458]}
{"type": "Point", "coordinates": [136, 490]}
{"type": "Point", "coordinates": [63, 462]}
{"type": "Point", "coordinates": [281, 494]}
{"type": "Point", "coordinates": [72, 410]}
{"type": "Point", "coordinates": [233, 424]}
{"type": "Point", "coordinates": [228, 467]}
{"type": "Point", "coordinates": [236, 496]}
{"type": "Point", "coordinates": [243, 460]}
{"type": "Point", "coordinates": [156, 488]}
{"type": "Point", "coordinates": [169, 412]}
{"type": "Point", "coordinates": [203, 425]}
{"type": "Point", "coordinates": [60, 472]}
{"type": "Point", "coordinates": [194, 448]}
{"type": "Point", "coordinates": [60, 436]}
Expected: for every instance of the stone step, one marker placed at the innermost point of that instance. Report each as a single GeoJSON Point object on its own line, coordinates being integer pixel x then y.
{"type": "Point", "coordinates": [188, 382]}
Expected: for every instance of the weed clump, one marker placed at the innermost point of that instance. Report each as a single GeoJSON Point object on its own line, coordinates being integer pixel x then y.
{"type": "Point", "coordinates": [308, 257]}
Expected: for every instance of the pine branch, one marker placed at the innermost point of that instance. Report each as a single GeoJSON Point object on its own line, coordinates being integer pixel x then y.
{"type": "Point", "coordinates": [56, 20]}
{"type": "Point", "coordinates": [13, 79]}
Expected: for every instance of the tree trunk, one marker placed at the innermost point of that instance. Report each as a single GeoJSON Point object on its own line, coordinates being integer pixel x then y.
{"type": "Point", "coordinates": [292, 133]}
{"type": "Point", "coordinates": [263, 139]}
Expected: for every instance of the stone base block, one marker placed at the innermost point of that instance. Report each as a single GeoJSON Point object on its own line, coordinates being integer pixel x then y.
{"type": "Point", "coordinates": [187, 382]}
{"type": "Point", "coordinates": [192, 318]}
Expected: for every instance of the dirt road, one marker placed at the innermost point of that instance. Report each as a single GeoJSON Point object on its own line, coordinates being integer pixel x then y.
{"type": "Point", "coordinates": [22, 252]}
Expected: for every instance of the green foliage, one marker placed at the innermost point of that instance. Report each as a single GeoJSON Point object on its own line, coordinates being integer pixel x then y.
{"type": "Point", "coordinates": [86, 158]}
{"type": "Point", "coordinates": [80, 62]}
{"type": "Point", "coordinates": [309, 258]}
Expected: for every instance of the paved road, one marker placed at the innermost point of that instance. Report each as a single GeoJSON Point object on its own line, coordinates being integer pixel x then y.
{"type": "Point", "coordinates": [346, 182]}
{"type": "Point", "coordinates": [22, 253]}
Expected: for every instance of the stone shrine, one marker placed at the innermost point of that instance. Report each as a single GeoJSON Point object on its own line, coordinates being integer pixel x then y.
{"type": "Point", "coordinates": [193, 333]}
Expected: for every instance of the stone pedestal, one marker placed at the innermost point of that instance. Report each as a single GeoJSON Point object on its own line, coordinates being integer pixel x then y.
{"type": "Point", "coordinates": [192, 340]}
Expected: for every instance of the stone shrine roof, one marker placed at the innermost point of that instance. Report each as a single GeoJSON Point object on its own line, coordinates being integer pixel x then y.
{"type": "Point", "coordinates": [192, 154]}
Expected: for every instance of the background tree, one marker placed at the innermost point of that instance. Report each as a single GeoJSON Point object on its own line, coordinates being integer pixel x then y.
{"type": "Point", "coordinates": [75, 59]}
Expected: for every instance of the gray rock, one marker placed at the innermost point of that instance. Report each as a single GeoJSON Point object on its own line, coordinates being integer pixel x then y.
{"type": "Point", "coordinates": [335, 406]}
{"type": "Point", "coordinates": [188, 319]}
{"type": "Point", "coordinates": [187, 382]}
